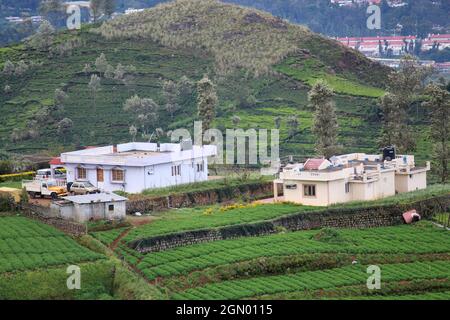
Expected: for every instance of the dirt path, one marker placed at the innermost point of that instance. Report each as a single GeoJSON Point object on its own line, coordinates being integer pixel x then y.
{"type": "Point", "coordinates": [115, 243]}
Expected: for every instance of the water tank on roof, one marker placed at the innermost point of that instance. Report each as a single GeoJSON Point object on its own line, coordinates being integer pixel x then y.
{"type": "Point", "coordinates": [389, 153]}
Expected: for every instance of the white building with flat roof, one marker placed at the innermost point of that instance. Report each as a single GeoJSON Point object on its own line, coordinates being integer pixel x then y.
{"type": "Point", "coordinates": [90, 207]}
{"type": "Point", "coordinates": [350, 177]}
{"type": "Point", "coordinates": [134, 167]}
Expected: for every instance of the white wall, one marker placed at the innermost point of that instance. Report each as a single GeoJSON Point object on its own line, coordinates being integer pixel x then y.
{"type": "Point", "coordinates": [138, 179]}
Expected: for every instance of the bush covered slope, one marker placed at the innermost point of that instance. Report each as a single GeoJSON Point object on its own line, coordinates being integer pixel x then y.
{"type": "Point", "coordinates": [262, 67]}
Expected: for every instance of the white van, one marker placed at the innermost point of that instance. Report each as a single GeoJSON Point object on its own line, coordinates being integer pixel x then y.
{"type": "Point", "coordinates": [43, 174]}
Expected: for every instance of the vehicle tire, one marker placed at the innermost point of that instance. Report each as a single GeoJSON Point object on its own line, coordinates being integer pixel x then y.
{"type": "Point", "coordinates": [54, 196]}
{"type": "Point", "coordinates": [32, 194]}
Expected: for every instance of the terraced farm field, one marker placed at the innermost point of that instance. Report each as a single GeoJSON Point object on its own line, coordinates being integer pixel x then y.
{"type": "Point", "coordinates": [313, 264]}
{"type": "Point", "coordinates": [34, 258]}
{"type": "Point", "coordinates": [28, 245]}
{"type": "Point", "coordinates": [316, 264]}
{"type": "Point", "coordinates": [391, 240]}
{"type": "Point", "coordinates": [315, 280]}
{"type": "Point", "coordinates": [200, 218]}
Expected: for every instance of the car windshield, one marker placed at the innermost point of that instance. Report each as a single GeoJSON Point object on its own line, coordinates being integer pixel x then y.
{"type": "Point", "coordinates": [51, 184]}
{"type": "Point", "coordinates": [88, 185]}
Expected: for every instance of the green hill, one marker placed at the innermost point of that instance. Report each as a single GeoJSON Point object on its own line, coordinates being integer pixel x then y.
{"type": "Point", "coordinates": [262, 66]}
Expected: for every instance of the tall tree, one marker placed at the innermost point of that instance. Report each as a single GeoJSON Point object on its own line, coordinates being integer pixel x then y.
{"type": "Point", "coordinates": [439, 106]}
{"type": "Point", "coordinates": [206, 101]}
{"type": "Point", "coordinates": [96, 8]}
{"type": "Point", "coordinates": [101, 63]}
{"type": "Point", "coordinates": [109, 7]}
{"type": "Point", "coordinates": [404, 86]}
{"type": "Point", "coordinates": [325, 126]}
{"type": "Point", "coordinates": [94, 86]}
{"type": "Point", "coordinates": [292, 124]}
{"type": "Point", "coordinates": [52, 10]}
{"type": "Point", "coordinates": [60, 98]}
{"type": "Point", "coordinates": [43, 38]}
{"type": "Point", "coordinates": [65, 128]}
{"type": "Point", "coordinates": [133, 132]}
{"type": "Point", "coordinates": [8, 68]}
{"type": "Point", "coordinates": [171, 92]}
{"type": "Point", "coordinates": [145, 111]}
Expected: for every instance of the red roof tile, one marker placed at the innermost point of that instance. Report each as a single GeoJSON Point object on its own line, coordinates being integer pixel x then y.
{"type": "Point", "coordinates": [56, 161]}
{"type": "Point", "coordinates": [313, 164]}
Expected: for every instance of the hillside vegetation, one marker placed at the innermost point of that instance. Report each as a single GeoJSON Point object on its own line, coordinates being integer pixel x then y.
{"type": "Point", "coordinates": [262, 67]}
{"type": "Point", "coordinates": [238, 37]}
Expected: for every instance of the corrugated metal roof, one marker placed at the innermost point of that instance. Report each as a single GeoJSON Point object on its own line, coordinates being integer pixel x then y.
{"type": "Point", "coordinates": [95, 198]}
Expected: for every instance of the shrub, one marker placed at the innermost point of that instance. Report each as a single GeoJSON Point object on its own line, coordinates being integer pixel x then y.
{"type": "Point", "coordinates": [6, 203]}
{"type": "Point", "coordinates": [329, 235]}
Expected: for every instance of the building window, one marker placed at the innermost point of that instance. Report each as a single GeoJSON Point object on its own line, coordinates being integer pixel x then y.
{"type": "Point", "coordinates": [81, 173]}
{"type": "Point", "coordinates": [291, 186]}
{"type": "Point", "coordinates": [111, 207]}
{"type": "Point", "coordinates": [117, 175]}
{"type": "Point", "coordinates": [347, 187]}
{"type": "Point", "coordinates": [176, 170]}
{"type": "Point", "coordinates": [200, 167]}
{"type": "Point", "coordinates": [309, 190]}
{"type": "Point", "coordinates": [100, 176]}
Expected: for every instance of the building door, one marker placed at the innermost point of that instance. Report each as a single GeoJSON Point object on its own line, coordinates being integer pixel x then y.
{"type": "Point", "coordinates": [100, 178]}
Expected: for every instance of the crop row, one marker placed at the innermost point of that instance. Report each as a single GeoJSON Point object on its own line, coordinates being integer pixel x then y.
{"type": "Point", "coordinates": [401, 239]}
{"type": "Point", "coordinates": [26, 244]}
{"type": "Point", "coordinates": [315, 280]}
{"type": "Point", "coordinates": [17, 227]}
{"type": "Point", "coordinates": [108, 237]}
{"type": "Point", "coordinates": [445, 295]}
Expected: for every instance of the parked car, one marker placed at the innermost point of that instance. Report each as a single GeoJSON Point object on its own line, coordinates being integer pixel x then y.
{"type": "Point", "coordinates": [47, 173]}
{"type": "Point", "coordinates": [82, 187]}
{"type": "Point", "coordinates": [43, 188]}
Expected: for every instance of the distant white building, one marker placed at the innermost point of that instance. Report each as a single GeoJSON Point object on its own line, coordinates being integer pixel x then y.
{"type": "Point", "coordinates": [133, 10]}
{"type": "Point", "coordinates": [350, 177]}
{"type": "Point", "coordinates": [134, 167]}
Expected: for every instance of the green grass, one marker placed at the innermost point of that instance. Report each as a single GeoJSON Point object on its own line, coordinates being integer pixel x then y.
{"type": "Point", "coordinates": [200, 218]}
{"type": "Point", "coordinates": [11, 184]}
{"type": "Point", "coordinates": [388, 240]}
{"type": "Point", "coordinates": [311, 70]}
{"type": "Point", "coordinates": [229, 181]}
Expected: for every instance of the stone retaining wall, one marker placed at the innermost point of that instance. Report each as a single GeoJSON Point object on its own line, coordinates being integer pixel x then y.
{"type": "Point", "coordinates": [139, 203]}
{"type": "Point", "coordinates": [357, 217]}
{"type": "Point", "coordinates": [42, 214]}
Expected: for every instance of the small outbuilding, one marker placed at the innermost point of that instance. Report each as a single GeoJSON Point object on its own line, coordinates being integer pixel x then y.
{"type": "Point", "coordinates": [91, 207]}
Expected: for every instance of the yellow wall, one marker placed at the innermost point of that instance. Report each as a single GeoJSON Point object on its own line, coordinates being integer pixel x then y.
{"type": "Point", "coordinates": [410, 182]}
{"type": "Point", "coordinates": [333, 192]}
